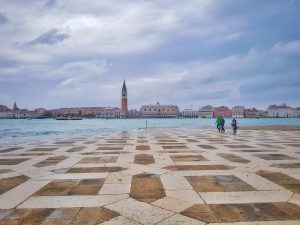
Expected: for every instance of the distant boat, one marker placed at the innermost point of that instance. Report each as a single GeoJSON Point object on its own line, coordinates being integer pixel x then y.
{"type": "Point", "coordinates": [68, 118]}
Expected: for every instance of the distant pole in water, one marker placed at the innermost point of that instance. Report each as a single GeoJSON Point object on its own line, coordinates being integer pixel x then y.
{"type": "Point", "coordinates": [146, 125]}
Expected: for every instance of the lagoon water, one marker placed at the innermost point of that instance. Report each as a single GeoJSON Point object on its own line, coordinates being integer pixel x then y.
{"type": "Point", "coordinates": [20, 130]}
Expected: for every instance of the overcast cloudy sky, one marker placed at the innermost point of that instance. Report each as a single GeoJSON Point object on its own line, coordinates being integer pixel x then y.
{"type": "Point", "coordinates": [68, 53]}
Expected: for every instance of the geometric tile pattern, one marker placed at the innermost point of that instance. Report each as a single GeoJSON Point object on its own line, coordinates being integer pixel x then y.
{"type": "Point", "coordinates": [158, 176]}
{"type": "Point", "coordinates": [219, 183]}
{"type": "Point", "coordinates": [71, 187]}
{"type": "Point", "coordinates": [8, 183]}
{"type": "Point", "coordinates": [283, 180]}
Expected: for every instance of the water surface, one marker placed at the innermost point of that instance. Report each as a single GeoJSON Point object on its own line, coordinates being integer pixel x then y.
{"type": "Point", "coordinates": [18, 130]}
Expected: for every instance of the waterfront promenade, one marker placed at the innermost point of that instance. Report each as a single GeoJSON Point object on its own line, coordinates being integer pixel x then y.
{"type": "Point", "coordinates": [162, 176]}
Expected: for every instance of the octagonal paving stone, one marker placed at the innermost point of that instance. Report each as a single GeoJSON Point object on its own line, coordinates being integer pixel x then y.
{"type": "Point", "coordinates": [218, 183]}
{"type": "Point", "coordinates": [146, 188]}
{"type": "Point", "coordinates": [68, 216]}
{"type": "Point", "coordinates": [71, 187]}
{"type": "Point", "coordinates": [143, 159]}
{"type": "Point", "coordinates": [281, 179]}
{"type": "Point", "coordinates": [229, 213]}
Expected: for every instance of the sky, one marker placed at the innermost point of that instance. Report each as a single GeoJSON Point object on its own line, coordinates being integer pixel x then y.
{"type": "Point", "coordinates": [76, 53]}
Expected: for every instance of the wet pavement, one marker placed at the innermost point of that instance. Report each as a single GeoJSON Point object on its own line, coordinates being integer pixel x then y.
{"type": "Point", "coordinates": [162, 176]}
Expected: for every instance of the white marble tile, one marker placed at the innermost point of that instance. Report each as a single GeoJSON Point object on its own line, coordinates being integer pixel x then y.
{"type": "Point", "coordinates": [172, 204]}
{"type": "Point", "coordinates": [69, 162]}
{"type": "Point", "coordinates": [138, 169]}
{"type": "Point", "coordinates": [118, 178]}
{"type": "Point", "coordinates": [75, 176]}
{"type": "Point", "coordinates": [295, 199]}
{"type": "Point", "coordinates": [258, 182]}
{"type": "Point", "coordinates": [186, 195]}
{"type": "Point", "coordinates": [115, 189]}
{"type": "Point", "coordinates": [17, 195]}
{"type": "Point", "coordinates": [121, 220]}
{"type": "Point", "coordinates": [33, 172]}
{"type": "Point", "coordinates": [9, 174]}
{"type": "Point", "coordinates": [171, 182]}
{"type": "Point", "coordinates": [245, 196]}
{"type": "Point", "coordinates": [178, 219]}
{"type": "Point", "coordinates": [139, 211]}
{"type": "Point", "coordinates": [281, 222]}
{"type": "Point", "coordinates": [71, 201]}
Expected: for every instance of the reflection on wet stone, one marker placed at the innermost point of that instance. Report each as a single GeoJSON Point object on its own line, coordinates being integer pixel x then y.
{"type": "Point", "coordinates": [146, 188]}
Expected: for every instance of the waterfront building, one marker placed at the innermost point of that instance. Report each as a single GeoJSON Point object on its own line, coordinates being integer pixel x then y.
{"type": "Point", "coordinates": [238, 111]}
{"type": "Point", "coordinates": [251, 113]}
{"type": "Point", "coordinates": [206, 112]}
{"type": "Point", "coordinates": [262, 114]}
{"type": "Point", "coordinates": [7, 115]}
{"type": "Point", "coordinates": [40, 111]}
{"type": "Point", "coordinates": [296, 112]}
{"type": "Point", "coordinates": [23, 113]}
{"type": "Point", "coordinates": [78, 111]}
{"type": "Point", "coordinates": [160, 111]}
{"type": "Point", "coordinates": [222, 111]}
{"type": "Point", "coordinates": [134, 113]}
{"type": "Point", "coordinates": [124, 103]}
{"type": "Point", "coordinates": [280, 111]}
{"type": "Point", "coordinates": [4, 108]}
{"type": "Point", "coordinates": [189, 113]}
{"type": "Point", "coordinates": [110, 113]}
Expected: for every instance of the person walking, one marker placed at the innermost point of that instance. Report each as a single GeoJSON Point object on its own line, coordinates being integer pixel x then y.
{"type": "Point", "coordinates": [222, 124]}
{"type": "Point", "coordinates": [218, 122]}
{"type": "Point", "coordinates": [234, 125]}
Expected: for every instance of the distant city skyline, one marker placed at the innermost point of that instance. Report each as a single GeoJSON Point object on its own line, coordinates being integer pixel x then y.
{"type": "Point", "coordinates": [190, 53]}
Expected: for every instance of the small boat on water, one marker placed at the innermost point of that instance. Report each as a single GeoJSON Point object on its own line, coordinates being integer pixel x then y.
{"type": "Point", "coordinates": [68, 118]}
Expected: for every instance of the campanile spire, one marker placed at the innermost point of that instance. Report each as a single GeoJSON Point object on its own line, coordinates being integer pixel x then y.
{"type": "Point", "coordinates": [124, 105]}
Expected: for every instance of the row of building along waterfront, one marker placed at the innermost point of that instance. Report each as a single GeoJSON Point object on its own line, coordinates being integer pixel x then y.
{"type": "Point", "coordinates": [150, 111]}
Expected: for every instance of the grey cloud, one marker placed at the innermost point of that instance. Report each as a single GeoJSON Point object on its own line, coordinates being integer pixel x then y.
{"type": "Point", "coordinates": [50, 37]}
{"type": "Point", "coordinates": [182, 52]}
{"type": "Point", "coordinates": [50, 3]}
{"type": "Point", "coordinates": [3, 19]}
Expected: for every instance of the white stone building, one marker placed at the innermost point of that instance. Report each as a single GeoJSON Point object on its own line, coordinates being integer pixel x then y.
{"type": "Point", "coordinates": [206, 111]}
{"type": "Point", "coordinates": [133, 113]}
{"type": "Point", "coordinates": [110, 113]}
{"type": "Point", "coordinates": [7, 115]}
{"type": "Point", "coordinates": [238, 111]}
{"type": "Point", "coordinates": [280, 111]}
{"type": "Point", "coordinates": [160, 111]}
{"type": "Point", "coordinates": [190, 113]}
{"type": "Point", "coordinates": [23, 113]}
{"type": "Point", "coordinates": [296, 112]}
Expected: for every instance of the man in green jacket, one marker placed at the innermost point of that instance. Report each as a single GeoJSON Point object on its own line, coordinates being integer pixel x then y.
{"type": "Point", "coordinates": [218, 122]}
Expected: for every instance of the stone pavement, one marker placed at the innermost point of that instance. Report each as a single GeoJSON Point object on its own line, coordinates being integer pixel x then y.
{"type": "Point", "coordinates": [163, 176]}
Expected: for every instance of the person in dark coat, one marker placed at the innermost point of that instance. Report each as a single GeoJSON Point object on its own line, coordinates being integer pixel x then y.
{"type": "Point", "coordinates": [222, 124]}
{"type": "Point", "coordinates": [234, 125]}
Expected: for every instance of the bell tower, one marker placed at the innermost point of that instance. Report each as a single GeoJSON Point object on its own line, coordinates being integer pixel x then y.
{"type": "Point", "coordinates": [124, 99]}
